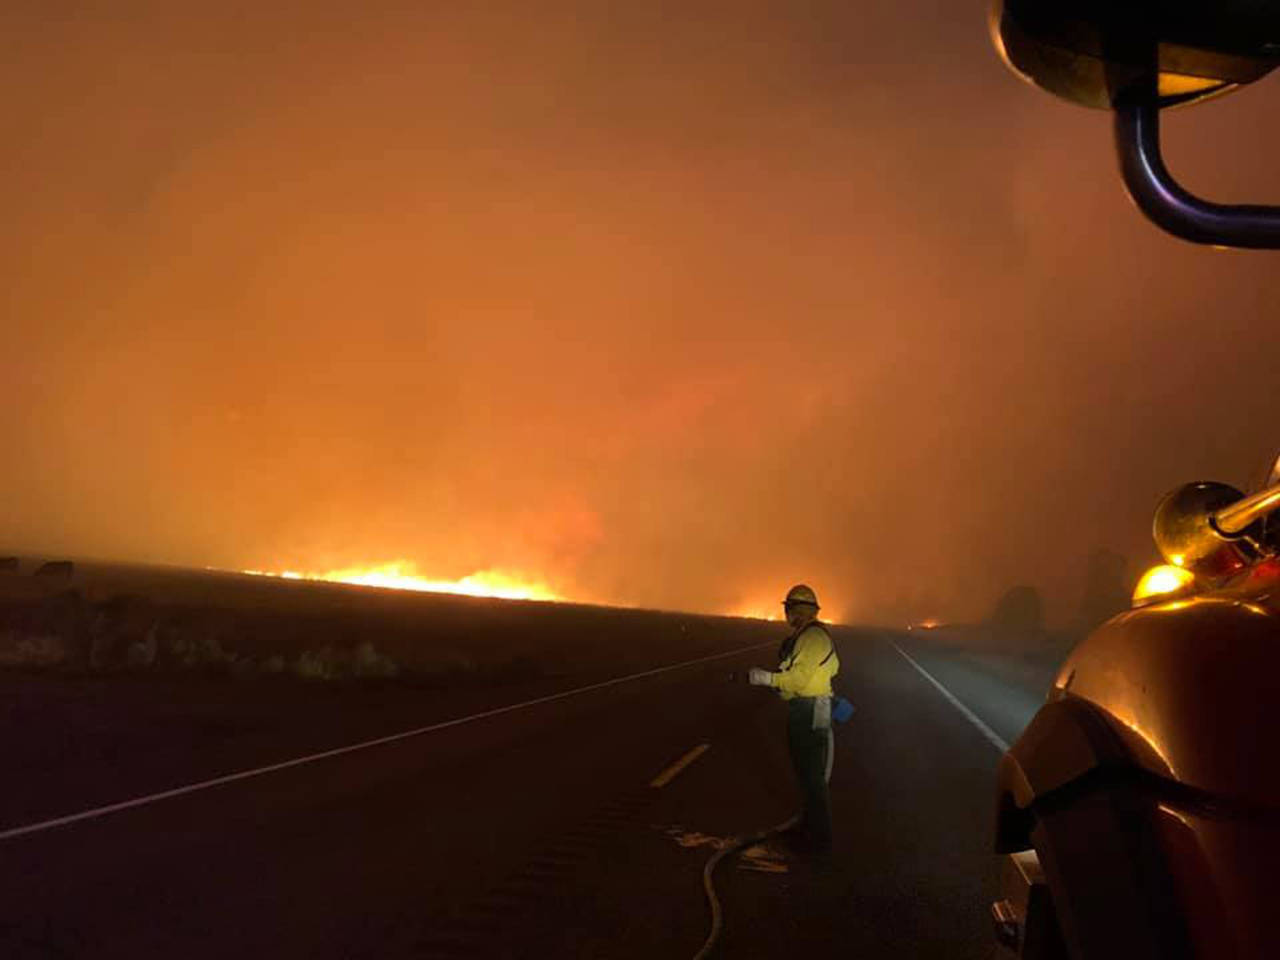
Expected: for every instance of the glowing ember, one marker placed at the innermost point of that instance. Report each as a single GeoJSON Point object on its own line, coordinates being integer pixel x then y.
{"type": "Point", "coordinates": [402, 575]}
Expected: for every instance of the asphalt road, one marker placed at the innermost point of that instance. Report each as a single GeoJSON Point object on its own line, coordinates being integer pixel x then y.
{"type": "Point", "coordinates": [536, 832]}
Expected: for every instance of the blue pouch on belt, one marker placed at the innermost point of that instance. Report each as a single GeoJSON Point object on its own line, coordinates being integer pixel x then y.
{"type": "Point", "coordinates": [841, 709]}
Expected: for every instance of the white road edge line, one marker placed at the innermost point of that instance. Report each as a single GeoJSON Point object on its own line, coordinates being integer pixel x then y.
{"type": "Point", "coordinates": [677, 768]}
{"type": "Point", "coordinates": [30, 828]}
{"type": "Point", "coordinates": [996, 740]}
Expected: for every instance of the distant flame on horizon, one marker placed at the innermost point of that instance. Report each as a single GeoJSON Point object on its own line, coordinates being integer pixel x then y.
{"type": "Point", "coordinates": [771, 612]}
{"type": "Point", "coordinates": [403, 575]}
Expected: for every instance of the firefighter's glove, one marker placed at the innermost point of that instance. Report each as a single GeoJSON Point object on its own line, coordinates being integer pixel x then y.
{"type": "Point", "coordinates": [760, 678]}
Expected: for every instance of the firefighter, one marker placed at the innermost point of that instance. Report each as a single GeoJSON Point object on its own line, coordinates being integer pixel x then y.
{"type": "Point", "coordinates": [807, 661]}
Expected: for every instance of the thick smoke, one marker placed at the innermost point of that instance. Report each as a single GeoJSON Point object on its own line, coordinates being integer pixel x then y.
{"type": "Point", "coordinates": [668, 307]}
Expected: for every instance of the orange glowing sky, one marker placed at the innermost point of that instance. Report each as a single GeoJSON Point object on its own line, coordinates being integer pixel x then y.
{"type": "Point", "coordinates": [662, 306]}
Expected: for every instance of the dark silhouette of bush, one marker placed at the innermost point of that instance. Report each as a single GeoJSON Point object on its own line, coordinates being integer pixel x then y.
{"type": "Point", "coordinates": [1018, 612]}
{"type": "Point", "coordinates": [64, 569]}
{"type": "Point", "coordinates": [123, 632]}
{"type": "Point", "coordinates": [68, 616]}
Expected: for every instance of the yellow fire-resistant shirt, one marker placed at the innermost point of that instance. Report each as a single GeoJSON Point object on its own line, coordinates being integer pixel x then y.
{"type": "Point", "coordinates": [804, 673]}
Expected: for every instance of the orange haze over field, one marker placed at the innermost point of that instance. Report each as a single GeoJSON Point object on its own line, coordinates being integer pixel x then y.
{"type": "Point", "coordinates": [663, 306]}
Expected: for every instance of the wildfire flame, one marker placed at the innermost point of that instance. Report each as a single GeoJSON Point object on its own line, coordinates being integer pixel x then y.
{"type": "Point", "coordinates": [771, 611]}
{"type": "Point", "coordinates": [403, 575]}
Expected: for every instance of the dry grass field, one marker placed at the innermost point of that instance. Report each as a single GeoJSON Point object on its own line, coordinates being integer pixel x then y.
{"type": "Point", "coordinates": [104, 618]}
{"type": "Point", "coordinates": [120, 679]}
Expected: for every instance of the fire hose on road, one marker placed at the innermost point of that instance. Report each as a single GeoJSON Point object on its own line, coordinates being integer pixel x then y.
{"type": "Point", "coordinates": [733, 845]}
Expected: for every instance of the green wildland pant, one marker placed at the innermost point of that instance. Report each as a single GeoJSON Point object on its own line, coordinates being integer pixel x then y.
{"type": "Point", "coordinates": [809, 756]}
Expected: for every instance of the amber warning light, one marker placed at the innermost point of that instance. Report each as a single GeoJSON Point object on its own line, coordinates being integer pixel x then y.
{"type": "Point", "coordinates": [1162, 583]}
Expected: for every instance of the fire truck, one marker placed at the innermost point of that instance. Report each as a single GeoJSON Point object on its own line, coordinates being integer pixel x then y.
{"type": "Point", "coordinates": [1139, 812]}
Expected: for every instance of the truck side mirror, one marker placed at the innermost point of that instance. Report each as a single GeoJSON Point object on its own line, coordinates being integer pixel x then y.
{"type": "Point", "coordinates": [1136, 57]}
{"type": "Point", "coordinates": [1212, 530]}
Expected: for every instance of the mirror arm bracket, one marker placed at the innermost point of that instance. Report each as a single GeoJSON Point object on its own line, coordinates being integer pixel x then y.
{"type": "Point", "coordinates": [1168, 204]}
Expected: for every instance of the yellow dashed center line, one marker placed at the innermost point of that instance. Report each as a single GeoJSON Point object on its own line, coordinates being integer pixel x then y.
{"type": "Point", "coordinates": [673, 771]}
